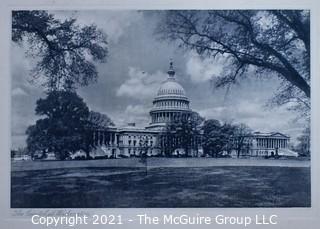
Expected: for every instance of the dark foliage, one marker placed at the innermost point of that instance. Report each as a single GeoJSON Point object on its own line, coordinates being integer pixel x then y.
{"type": "Point", "coordinates": [303, 147]}
{"type": "Point", "coordinates": [242, 138]}
{"type": "Point", "coordinates": [62, 129]}
{"type": "Point", "coordinates": [183, 132]}
{"type": "Point", "coordinates": [99, 120]}
{"type": "Point", "coordinates": [217, 137]}
{"type": "Point", "coordinates": [65, 52]}
{"type": "Point", "coordinates": [271, 42]}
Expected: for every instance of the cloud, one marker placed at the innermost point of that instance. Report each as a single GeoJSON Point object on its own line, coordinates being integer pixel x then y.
{"type": "Point", "coordinates": [18, 91]}
{"type": "Point", "coordinates": [203, 69]}
{"type": "Point", "coordinates": [253, 113]}
{"type": "Point", "coordinates": [136, 110]}
{"type": "Point", "coordinates": [141, 85]}
{"type": "Point", "coordinates": [138, 114]}
{"type": "Point", "coordinates": [125, 93]}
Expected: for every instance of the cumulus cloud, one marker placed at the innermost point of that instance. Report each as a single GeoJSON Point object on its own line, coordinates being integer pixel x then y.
{"type": "Point", "coordinates": [124, 92]}
{"type": "Point", "coordinates": [141, 85]}
{"type": "Point", "coordinates": [248, 112]}
{"type": "Point", "coordinates": [256, 116]}
{"type": "Point", "coordinates": [203, 69]}
{"type": "Point", "coordinates": [138, 114]}
{"type": "Point", "coordinates": [18, 91]}
{"type": "Point", "coordinates": [114, 23]}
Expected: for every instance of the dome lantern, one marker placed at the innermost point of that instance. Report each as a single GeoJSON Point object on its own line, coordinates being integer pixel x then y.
{"type": "Point", "coordinates": [171, 71]}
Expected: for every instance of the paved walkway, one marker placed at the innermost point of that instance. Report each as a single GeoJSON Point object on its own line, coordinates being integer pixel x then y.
{"type": "Point", "coordinates": [156, 162]}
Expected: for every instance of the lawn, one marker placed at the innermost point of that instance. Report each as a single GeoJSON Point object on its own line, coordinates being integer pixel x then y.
{"type": "Point", "coordinates": [232, 186]}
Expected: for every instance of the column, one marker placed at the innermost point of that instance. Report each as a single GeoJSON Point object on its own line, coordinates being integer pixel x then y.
{"type": "Point", "coordinates": [98, 133]}
{"type": "Point", "coordinates": [94, 138]}
{"type": "Point", "coordinates": [103, 138]}
{"type": "Point", "coordinates": [115, 139]}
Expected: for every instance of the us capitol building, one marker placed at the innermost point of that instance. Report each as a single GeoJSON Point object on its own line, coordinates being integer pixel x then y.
{"type": "Point", "coordinates": [171, 100]}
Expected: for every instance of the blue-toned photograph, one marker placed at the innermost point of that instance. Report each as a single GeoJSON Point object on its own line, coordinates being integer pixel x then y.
{"type": "Point", "coordinates": [160, 109]}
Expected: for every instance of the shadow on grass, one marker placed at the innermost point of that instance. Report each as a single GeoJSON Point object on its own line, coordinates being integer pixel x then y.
{"type": "Point", "coordinates": [162, 187]}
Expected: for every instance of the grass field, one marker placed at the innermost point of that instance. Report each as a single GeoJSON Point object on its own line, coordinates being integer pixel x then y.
{"type": "Point", "coordinates": [231, 186]}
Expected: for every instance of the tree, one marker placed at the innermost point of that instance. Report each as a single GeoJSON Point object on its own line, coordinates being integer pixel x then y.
{"type": "Point", "coordinates": [13, 153]}
{"type": "Point", "coordinates": [99, 120]}
{"type": "Point", "coordinates": [242, 138]}
{"type": "Point", "coordinates": [182, 132]}
{"type": "Point", "coordinates": [143, 148]}
{"type": "Point", "coordinates": [63, 128]}
{"type": "Point", "coordinates": [268, 41]}
{"type": "Point", "coordinates": [65, 52]}
{"type": "Point", "coordinates": [303, 146]}
{"type": "Point", "coordinates": [217, 137]}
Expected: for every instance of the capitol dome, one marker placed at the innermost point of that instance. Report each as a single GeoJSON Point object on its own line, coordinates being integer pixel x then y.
{"type": "Point", "coordinates": [171, 87]}
{"type": "Point", "coordinates": [170, 102]}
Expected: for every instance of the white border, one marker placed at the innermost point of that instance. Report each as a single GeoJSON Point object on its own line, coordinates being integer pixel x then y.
{"type": "Point", "coordinates": [287, 217]}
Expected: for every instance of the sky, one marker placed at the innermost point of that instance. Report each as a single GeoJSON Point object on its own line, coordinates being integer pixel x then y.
{"type": "Point", "coordinates": [136, 66]}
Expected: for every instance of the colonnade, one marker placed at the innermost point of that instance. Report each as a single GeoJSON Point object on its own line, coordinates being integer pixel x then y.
{"type": "Point", "coordinates": [166, 116]}
{"type": "Point", "coordinates": [101, 137]}
{"type": "Point", "coordinates": [272, 143]}
{"type": "Point", "coordinates": [180, 104]}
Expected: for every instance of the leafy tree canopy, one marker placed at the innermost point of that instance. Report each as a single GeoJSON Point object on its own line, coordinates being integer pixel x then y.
{"type": "Point", "coordinates": [217, 137]}
{"type": "Point", "coordinates": [62, 129]}
{"type": "Point", "coordinates": [303, 146]}
{"type": "Point", "coordinates": [99, 120]}
{"type": "Point", "coordinates": [65, 51]}
{"type": "Point", "coordinates": [182, 132]}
